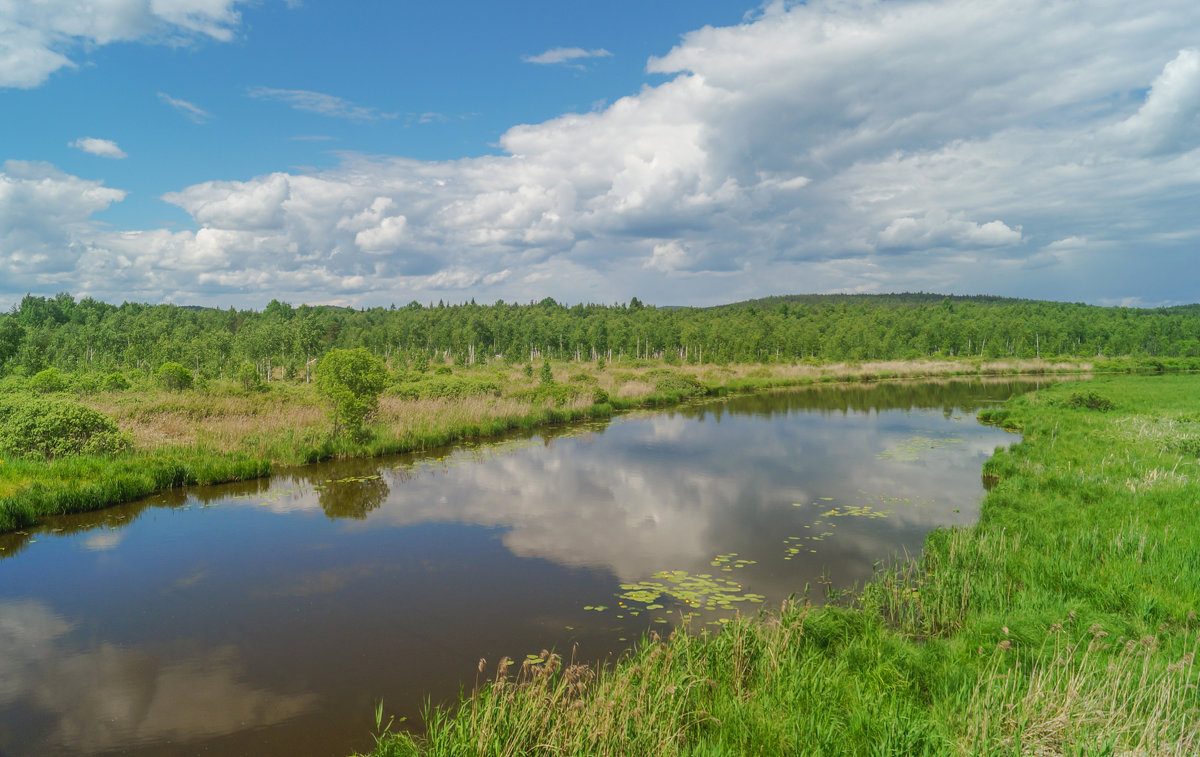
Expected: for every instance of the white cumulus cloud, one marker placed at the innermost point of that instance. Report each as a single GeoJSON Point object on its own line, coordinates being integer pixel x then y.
{"type": "Point", "coordinates": [35, 37]}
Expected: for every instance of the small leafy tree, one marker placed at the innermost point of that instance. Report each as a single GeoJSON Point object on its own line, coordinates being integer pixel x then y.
{"type": "Point", "coordinates": [248, 377]}
{"type": "Point", "coordinates": [547, 374]}
{"type": "Point", "coordinates": [420, 361]}
{"type": "Point", "coordinates": [173, 377]}
{"type": "Point", "coordinates": [351, 381]}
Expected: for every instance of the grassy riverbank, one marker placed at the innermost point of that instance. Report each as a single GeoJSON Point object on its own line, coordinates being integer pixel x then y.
{"type": "Point", "coordinates": [221, 431]}
{"type": "Point", "coordinates": [1064, 622]}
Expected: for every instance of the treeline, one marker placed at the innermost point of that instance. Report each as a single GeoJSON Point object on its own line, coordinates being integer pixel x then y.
{"type": "Point", "coordinates": [285, 341]}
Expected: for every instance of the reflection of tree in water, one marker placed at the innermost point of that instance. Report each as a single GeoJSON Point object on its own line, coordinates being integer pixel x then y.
{"type": "Point", "coordinates": [352, 499]}
{"type": "Point", "coordinates": [350, 490]}
{"type": "Point", "coordinates": [949, 395]}
{"type": "Point", "coordinates": [120, 516]}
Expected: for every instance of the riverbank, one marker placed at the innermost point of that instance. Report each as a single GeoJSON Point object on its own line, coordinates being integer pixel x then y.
{"type": "Point", "coordinates": [221, 431]}
{"type": "Point", "coordinates": [1064, 622]}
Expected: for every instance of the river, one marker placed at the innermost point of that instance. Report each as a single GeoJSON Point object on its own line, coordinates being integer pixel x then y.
{"type": "Point", "coordinates": [269, 617]}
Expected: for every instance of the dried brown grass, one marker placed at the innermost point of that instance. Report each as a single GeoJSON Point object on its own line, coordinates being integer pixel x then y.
{"type": "Point", "coordinates": [1124, 697]}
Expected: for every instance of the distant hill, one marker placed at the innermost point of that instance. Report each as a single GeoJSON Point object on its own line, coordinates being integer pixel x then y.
{"type": "Point", "coordinates": [891, 299]}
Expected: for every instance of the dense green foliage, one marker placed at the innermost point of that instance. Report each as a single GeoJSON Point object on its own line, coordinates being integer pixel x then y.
{"type": "Point", "coordinates": [351, 381]}
{"type": "Point", "coordinates": [284, 341]}
{"type": "Point", "coordinates": [1064, 622]}
{"type": "Point", "coordinates": [49, 428]}
{"type": "Point", "coordinates": [173, 377]}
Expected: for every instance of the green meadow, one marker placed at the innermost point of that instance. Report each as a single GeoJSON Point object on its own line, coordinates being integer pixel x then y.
{"type": "Point", "coordinates": [1064, 622]}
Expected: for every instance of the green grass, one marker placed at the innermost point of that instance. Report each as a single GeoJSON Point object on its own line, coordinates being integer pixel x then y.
{"type": "Point", "coordinates": [1064, 622]}
{"type": "Point", "coordinates": [37, 489]}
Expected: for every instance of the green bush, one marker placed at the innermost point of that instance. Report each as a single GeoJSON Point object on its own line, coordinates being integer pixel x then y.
{"type": "Point", "coordinates": [173, 377]}
{"type": "Point", "coordinates": [1087, 399]}
{"type": "Point", "coordinates": [86, 383]}
{"type": "Point", "coordinates": [116, 382]}
{"type": "Point", "coordinates": [51, 428]}
{"type": "Point", "coordinates": [425, 387]}
{"type": "Point", "coordinates": [669, 382]}
{"type": "Point", "coordinates": [47, 381]}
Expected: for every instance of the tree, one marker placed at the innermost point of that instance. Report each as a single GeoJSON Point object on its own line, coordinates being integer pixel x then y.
{"type": "Point", "coordinates": [249, 378]}
{"type": "Point", "coordinates": [173, 377]}
{"type": "Point", "coordinates": [351, 381]}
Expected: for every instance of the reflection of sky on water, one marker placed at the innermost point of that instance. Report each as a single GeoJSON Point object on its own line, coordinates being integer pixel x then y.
{"type": "Point", "coordinates": [101, 696]}
{"type": "Point", "coordinates": [288, 606]}
{"type": "Point", "coordinates": [666, 492]}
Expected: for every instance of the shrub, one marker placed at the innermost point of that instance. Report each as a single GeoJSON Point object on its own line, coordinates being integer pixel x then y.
{"type": "Point", "coordinates": [442, 370]}
{"type": "Point", "coordinates": [1088, 399]}
{"type": "Point", "coordinates": [86, 383]}
{"type": "Point", "coordinates": [173, 377]}
{"type": "Point", "coordinates": [50, 428]}
{"type": "Point", "coordinates": [424, 387]}
{"type": "Point", "coordinates": [670, 382]}
{"type": "Point", "coordinates": [47, 381]}
{"type": "Point", "coordinates": [547, 374]}
{"type": "Point", "coordinates": [116, 382]}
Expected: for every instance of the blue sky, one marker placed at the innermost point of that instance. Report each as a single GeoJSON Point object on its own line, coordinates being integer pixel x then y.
{"type": "Point", "coordinates": [224, 152]}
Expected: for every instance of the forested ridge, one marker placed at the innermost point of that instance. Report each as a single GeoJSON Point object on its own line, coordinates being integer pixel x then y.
{"type": "Point", "coordinates": [88, 335]}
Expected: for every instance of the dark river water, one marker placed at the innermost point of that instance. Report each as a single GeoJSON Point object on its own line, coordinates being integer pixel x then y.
{"type": "Point", "coordinates": [268, 617]}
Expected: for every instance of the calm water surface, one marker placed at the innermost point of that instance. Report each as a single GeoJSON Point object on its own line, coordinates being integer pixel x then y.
{"type": "Point", "coordinates": [268, 617]}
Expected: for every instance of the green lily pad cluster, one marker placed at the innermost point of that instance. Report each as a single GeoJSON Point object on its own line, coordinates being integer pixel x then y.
{"type": "Point", "coordinates": [794, 545]}
{"type": "Point", "coordinates": [696, 591]}
{"type": "Point", "coordinates": [856, 511]}
{"type": "Point", "coordinates": [727, 563]}
{"type": "Point", "coordinates": [910, 449]}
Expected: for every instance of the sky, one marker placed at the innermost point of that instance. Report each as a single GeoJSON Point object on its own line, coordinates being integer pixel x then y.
{"type": "Point", "coordinates": [375, 152]}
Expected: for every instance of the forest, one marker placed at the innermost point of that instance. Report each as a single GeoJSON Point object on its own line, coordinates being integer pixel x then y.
{"type": "Point", "coordinates": [89, 337]}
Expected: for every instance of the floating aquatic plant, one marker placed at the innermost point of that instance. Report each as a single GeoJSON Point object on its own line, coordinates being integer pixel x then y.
{"type": "Point", "coordinates": [911, 448]}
